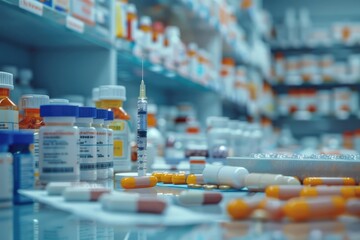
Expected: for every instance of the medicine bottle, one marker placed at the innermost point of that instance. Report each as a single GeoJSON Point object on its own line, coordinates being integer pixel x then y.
{"type": "Point", "coordinates": [95, 97]}
{"type": "Point", "coordinates": [87, 143]}
{"type": "Point", "coordinates": [110, 133]}
{"type": "Point", "coordinates": [9, 115]}
{"type": "Point", "coordinates": [6, 170]}
{"type": "Point", "coordinates": [59, 144]}
{"type": "Point", "coordinates": [218, 137]}
{"type": "Point", "coordinates": [112, 97]}
{"type": "Point", "coordinates": [102, 162]}
{"type": "Point", "coordinates": [131, 22]}
{"type": "Point", "coordinates": [120, 18]}
{"type": "Point", "coordinates": [146, 34]}
{"type": "Point", "coordinates": [32, 121]}
{"type": "Point", "coordinates": [23, 162]}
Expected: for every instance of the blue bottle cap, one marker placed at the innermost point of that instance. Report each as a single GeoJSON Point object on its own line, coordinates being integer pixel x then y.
{"type": "Point", "coordinates": [6, 137]}
{"type": "Point", "coordinates": [59, 111]}
{"type": "Point", "coordinates": [23, 138]}
{"type": "Point", "coordinates": [101, 114]}
{"type": "Point", "coordinates": [110, 116]}
{"type": "Point", "coordinates": [87, 112]}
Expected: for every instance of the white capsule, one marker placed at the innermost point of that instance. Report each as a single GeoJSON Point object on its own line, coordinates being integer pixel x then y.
{"type": "Point", "coordinates": [57, 188]}
{"type": "Point", "coordinates": [132, 203]}
{"type": "Point", "coordinates": [84, 193]}
{"type": "Point", "coordinates": [199, 198]}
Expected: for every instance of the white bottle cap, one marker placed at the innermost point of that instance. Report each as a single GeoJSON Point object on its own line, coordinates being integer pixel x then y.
{"type": "Point", "coordinates": [152, 109]}
{"type": "Point", "coordinates": [6, 80]}
{"type": "Point", "coordinates": [211, 172]}
{"type": "Point", "coordinates": [34, 101]}
{"type": "Point", "coordinates": [131, 8]}
{"type": "Point", "coordinates": [25, 76]}
{"type": "Point", "coordinates": [145, 20]}
{"type": "Point", "coordinates": [233, 176]}
{"type": "Point", "coordinates": [11, 69]}
{"type": "Point", "coordinates": [95, 94]}
{"type": "Point", "coordinates": [112, 92]}
{"type": "Point", "coordinates": [57, 101]}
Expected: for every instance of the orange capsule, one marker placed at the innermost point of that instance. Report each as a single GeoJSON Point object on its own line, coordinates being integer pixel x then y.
{"type": "Point", "coordinates": [167, 178]}
{"type": "Point", "coordinates": [138, 182]}
{"type": "Point", "coordinates": [242, 208]}
{"type": "Point", "coordinates": [330, 181]}
{"type": "Point", "coordinates": [273, 207]}
{"type": "Point", "coordinates": [158, 175]}
{"type": "Point", "coordinates": [345, 192]}
{"type": "Point", "coordinates": [283, 192]}
{"type": "Point", "coordinates": [303, 209]}
{"type": "Point", "coordinates": [179, 178]}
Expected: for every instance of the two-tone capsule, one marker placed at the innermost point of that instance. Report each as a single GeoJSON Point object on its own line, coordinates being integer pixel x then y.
{"type": "Point", "coordinates": [343, 191]}
{"type": "Point", "coordinates": [132, 203]}
{"type": "Point", "coordinates": [199, 198]}
{"type": "Point", "coordinates": [303, 209]}
{"type": "Point", "coordinates": [330, 181]}
{"type": "Point", "coordinates": [139, 182]}
{"type": "Point", "coordinates": [195, 179]}
{"type": "Point", "coordinates": [273, 208]}
{"type": "Point", "coordinates": [353, 207]}
{"type": "Point", "coordinates": [283, 192]}
{"type": "Point", "coordinates": [242, 208]}
{"type": "Point", "coordinates": [84, 193]}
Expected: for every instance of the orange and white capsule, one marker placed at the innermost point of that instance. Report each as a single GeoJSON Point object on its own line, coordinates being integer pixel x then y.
{"type": "Point", "coordinates": [242, 208]}
{"type": "Point", "coordinates": [138, 182]}
{"type": "Point", "coordinates": [283, 192]}
{"type": "Point", "coordinates": [179, 178]}
{"type": "Point", "coordinates": [345, 192]}
{"type": "Point", "coordinates": [273, 208]}
{"type": "Point", "coordinates": [303, 209]}
{"type": "Point", "coordinates": [84, 193]}
{"type": "Point", "coordinates": [195, 179]}
{"type": "Point", "coordinates": [353, 207]}
{"type": "Point", "coordinates": [330, 181]}
{"type": "Point", "coordinates": [125, 202]}
{"type": "Point", "coordinates": [167, 178]}
{"type": "Point", "coordinates": [199, 198]}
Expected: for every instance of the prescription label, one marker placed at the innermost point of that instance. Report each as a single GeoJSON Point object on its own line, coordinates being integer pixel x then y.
{"type": "Point", "coordinates": [32, 6]}
{"type": "Point", "coordinates": [101, 148]}
{"type": "Point", "coordinates": [59, 154]}
{"type": "Point", "coordinates": [6, 183]}
{"type": "Point", "coordinates": [9, 120]}
{"type": "Point", "coordinates": [88, 150]}
{"type": "Point", "coordinates": [74, 24]}
{"type": "Point", "coordinates": [121, 134]}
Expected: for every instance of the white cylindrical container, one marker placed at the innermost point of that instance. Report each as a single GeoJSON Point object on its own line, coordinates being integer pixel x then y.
{"type": "Point", "coordinates": [218, 137]}
{"type": "Point", "coordinates": [6, 170]}
{"type": "Point", "coordinates": [88, 154]}
{"type": "Point", "coordinates": [233, 176]}
{"type": "Point", "coordinates": [59, 144]}
{"type": "Point", "coordinates": [110, 144]}
{"type": "Point", "coordinates": [197, 164]}
{"type": "Point", "coordinates": [102, 162]}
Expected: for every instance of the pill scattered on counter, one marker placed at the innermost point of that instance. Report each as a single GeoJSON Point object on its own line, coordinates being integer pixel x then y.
{"type": "Point", "coordinates": [84, 193]}
{"type": "Point", "coordinates": [124, 202]}
{"type": "Point", "coordinates": [138, 182]}
{"type": "Point", "coordinates": [179, 178]}
{"type": "Point", "coordinates": [243, 207]}
{"type": "Point", "coordinates": [210, 187]}
{"type": "Point", "coordinates": [158, 175]}
{"type": "Point", "coordinates": [195, 179]}
{"type": "Point", "coordinates": [199, 198]}
{"type": "Point", "coordinates": [167, 178]}
{"type": "Point", "coordinates": [330, 181]}
{"type": "Point", "coordinates": [283, 192]}
{"type": "Point", "coordinates": [195, 186]}
{"type": "Point", "coordinates": [343, 191]}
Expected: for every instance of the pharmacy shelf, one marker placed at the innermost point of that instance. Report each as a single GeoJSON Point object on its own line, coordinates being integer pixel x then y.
{"type": "Point", "coordinates": [318, 125]}
{"type": "Point", "coordinates": [333, 49]}
{"type": "Point", "coordinates": [286, 87]}
{"type": "Point", "coordinates": [47, 29]}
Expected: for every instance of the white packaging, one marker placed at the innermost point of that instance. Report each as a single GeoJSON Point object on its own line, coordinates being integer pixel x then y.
{"type": "Point", "coordinates": [88, 149]}
{"type": "Point", "coordinates": [84, 10]}
{"type": "Point", "coordinates": [59, 149]}
{"type": "Point", "coordinates": [6, 182]}
{"type": "Point", "coordinates": [102, 166]}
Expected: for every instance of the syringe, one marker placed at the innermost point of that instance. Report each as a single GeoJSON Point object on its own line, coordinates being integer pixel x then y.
{"type": "Point", "coordinates": [142, 130]}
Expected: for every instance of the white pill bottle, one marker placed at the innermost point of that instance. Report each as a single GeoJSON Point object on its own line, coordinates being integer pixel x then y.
{"type": "Point", "coordinates": [59, 144]}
